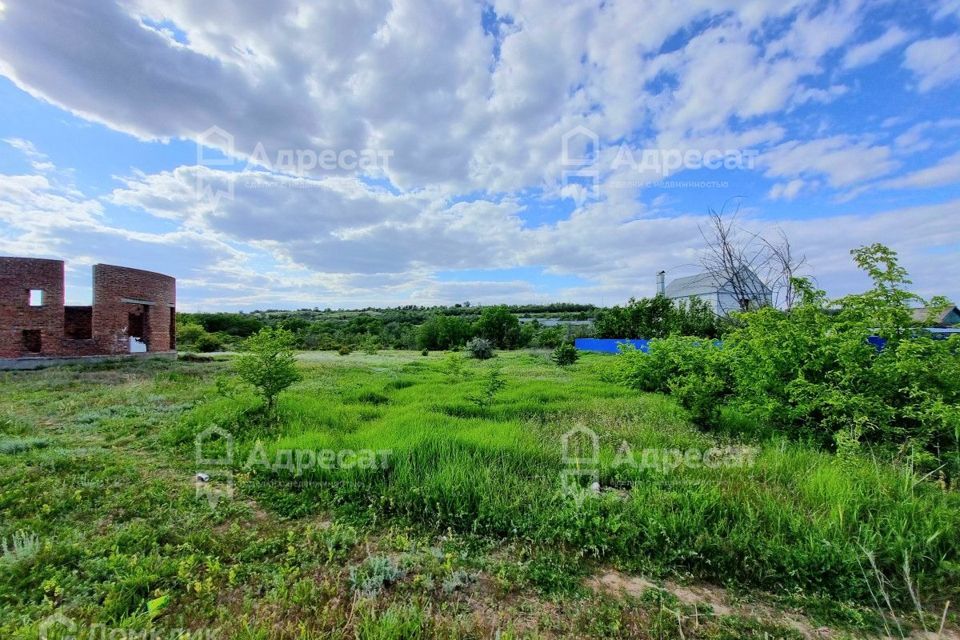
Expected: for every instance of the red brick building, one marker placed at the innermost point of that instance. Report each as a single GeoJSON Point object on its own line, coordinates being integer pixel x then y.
{"type": "Point", "coordinates": [133, 311]}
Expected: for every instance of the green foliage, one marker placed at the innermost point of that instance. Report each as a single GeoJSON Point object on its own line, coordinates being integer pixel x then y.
{"type": "Point", "coordinates": [492, 384]}
{"type": "Point", "coordinates": [10, 446]}
{"type": "Point", "coordinates": [500, 327]}
{"type": "Point", "coordinates": [658, 317]}
{"type": "Point", "coordinates": [565, 354]}
{"type": "Point", "coordinates": [239, 325]}
{"type": "Point", "coordinates": [21, 547]}
{"type": "Point", "coordinates": [345, 350]}
{"type": "Point", "coordinates": [370, 345]}
{"type": "Point", "coordinates": [207, 343]}
{"type": "Point", "coordinates": [480, 348]}
{"type": "Point", "coordinates": [267, 363]}
{"type": "Point", "coordinates": [408, 327]}
{"type": "Point", "coordinates": [373, 574]}
{"type": "Point", "coordinates": [477, 487]}
{"type": "Point", "coordinates": [454, 366]}
{"type": "Point", "coordinates": [191, 336]}
{"type": "Point", "coordinates": [441, 332]}
{"type": "Point", "coordinates": [549, 337]}
{"type": "Point", "coordinates": [189, 332]}
{"type": "Point", "coordinates": [396, 623]}
{"type": "Point", "coordinates": [812, 373]}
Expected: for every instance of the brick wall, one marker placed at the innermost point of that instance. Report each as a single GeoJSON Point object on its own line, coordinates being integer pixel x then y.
{"type": "Point", "coordinates": [121, 292]}
{"type": "Point", "coordinates": [73, 331]}
{"type": "Point", "coordinates": [17, 277]}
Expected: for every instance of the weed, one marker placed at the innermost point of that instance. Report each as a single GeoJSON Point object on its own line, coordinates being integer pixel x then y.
{"type": "Point", "coordinates": [376, 572]}
{"type": "Point", "coordinates": [21, 546]}
{"type": "Point", "coordinates": [10, 446]}
{"type": "Point", "coordinates": [457, 581]}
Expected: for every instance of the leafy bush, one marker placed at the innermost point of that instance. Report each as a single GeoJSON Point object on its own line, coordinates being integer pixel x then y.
{"type": "Point", "coordinates": [549, 337]}
{"type": "Point", "coordinates": [189, 332]}
{"type": "Point", "coordinates": [268, 364]}
{"type": "Point", "coordinates": [345, 350]}
{"type": "Point", "coordinates": [370, 345]}
{"type": "Point", "coordinates": [453, 365]}
{"type": "Point", "coordinates": [565, 354]}
{"type": "Point", "coordinates": [442, 332]}
{"type": "Point", "coordinates": [500, 327]}
{"type": "Point", "coordinates": [658, 317]}
{"type": "Point", "coordinates": [814, 373]}
{"type": "Point", "coordinates": [207, 343]}
{"type": "Point", "coordinates": [480, 348]}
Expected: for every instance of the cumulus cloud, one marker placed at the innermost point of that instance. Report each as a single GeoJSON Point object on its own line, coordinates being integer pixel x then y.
{"type": "Point", "coordinates": [471, 102]}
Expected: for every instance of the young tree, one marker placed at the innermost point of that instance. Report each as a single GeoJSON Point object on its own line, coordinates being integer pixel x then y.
{"type": "Point", "coordinates": [267, 363]}
{"type": "Point", "coordinates": [565, 354]}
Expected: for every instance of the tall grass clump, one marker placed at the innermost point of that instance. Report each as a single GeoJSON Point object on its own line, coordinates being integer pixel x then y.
{"type": "Point", "coordinates": [795, 519]}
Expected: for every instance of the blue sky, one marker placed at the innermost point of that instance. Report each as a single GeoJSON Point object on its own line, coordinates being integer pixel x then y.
{"type": "Point", "coordinates": [223, 144]}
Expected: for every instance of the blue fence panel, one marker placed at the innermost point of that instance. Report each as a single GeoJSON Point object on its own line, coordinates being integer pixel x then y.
{"type": "Point", "coordinates": [609, 345]}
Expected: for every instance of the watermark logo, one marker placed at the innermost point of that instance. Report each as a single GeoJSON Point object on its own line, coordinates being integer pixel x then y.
{"type": "Point", "coordinates": [60, 627]}
{"type": "Point", "coordinates": [581, 463]}
{"type": "Point", "coordinates": [585, 169]}
{"type": "Point", "coordinates": [216, 151]}
{"type": "Point", "coordinates": [216, 453]}
{"type": "Point", "coordinates": [580, 475]}
{"type": "Point", "coordinates": [214, 463]}
{"type": "Point", "coordinates": [57, 627]}
{"type": "Point", "coordinates": [215, 148]}
{"type": "Point", "coordinates": [580, 158]}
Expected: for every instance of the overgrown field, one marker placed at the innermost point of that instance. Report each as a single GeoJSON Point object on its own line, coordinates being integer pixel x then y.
{"type": "Point", "coordinates": [405, 496]}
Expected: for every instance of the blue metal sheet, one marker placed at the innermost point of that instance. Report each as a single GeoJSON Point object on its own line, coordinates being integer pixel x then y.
{"type": "Point", "coordinates": [609, 345]}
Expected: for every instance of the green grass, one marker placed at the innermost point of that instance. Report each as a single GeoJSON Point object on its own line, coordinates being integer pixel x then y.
{"type": "Point", "coordinates": [97, 464]}
{"type": "Point", "coordinates": [797, 521]}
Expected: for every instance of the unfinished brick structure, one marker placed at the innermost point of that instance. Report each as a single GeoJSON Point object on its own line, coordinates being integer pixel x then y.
{"type": "Point", "coordinates": [133, 311]}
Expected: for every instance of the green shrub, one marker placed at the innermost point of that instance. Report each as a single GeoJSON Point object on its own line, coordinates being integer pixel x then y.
{"type": "Point", "coordinates": [268, 363]}
{"type": "Point", "coordinates": [442, 332]}
{"type": "Point", "coordinates": [345, 350]}
{"type": "Point", "coordinates": [565, 354]}
{"type": "Point", "coordinates": [370, 345]}
{"type": "Point", "coordinates": [812, 373]}
{"type": "Point", "coordinates": [480, 348]}
{"type": "Point", "coordinates": [658, 317]}
{"type": "Point", "coordinates": [208, 342]}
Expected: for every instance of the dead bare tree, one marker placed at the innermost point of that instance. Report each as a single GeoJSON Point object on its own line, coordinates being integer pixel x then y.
{"type": "Point", "coordinates": [753, 270]}
{"type": "Point", "coordinates": [783, 267]}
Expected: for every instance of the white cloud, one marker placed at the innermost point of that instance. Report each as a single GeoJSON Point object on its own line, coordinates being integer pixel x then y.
{"type": "Point", "coordinates": [786, 190]}
{"type": "Point", "coordinates": [945, 172]}
{"type": "Point", "coordinates": [934, 61]}
{"type": "Point", "coordinates": [869, 52]}
{"type": "Point", "coordinates": [843, 160]}
{"type": "Point", "coordinates": [459, 108]}
{"type": "Point", "coordinates": [474, 121]}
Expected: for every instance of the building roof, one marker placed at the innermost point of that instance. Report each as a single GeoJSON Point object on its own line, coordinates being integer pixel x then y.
{"type": "Point", "coordinates": [944, 317]}
{"type": "Point", "coordinates": [696, 285]}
